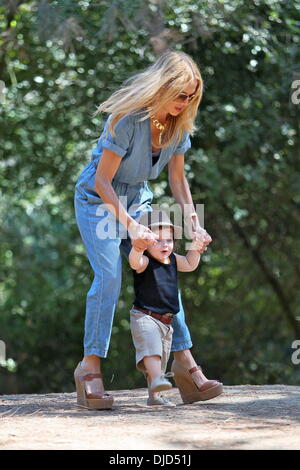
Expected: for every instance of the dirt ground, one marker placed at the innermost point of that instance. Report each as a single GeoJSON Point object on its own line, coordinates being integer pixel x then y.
{"type": "Point", "coordinates": [243, 417]}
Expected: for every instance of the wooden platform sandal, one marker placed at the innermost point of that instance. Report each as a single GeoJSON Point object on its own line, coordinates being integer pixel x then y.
{"type": "Point", "coordinates": [92, 401]}
{"type": "Point", "coordinates": [189, 391]}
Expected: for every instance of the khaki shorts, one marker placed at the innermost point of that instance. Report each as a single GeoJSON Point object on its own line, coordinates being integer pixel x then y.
{"type": "Point", "coordinates": [150, 337]}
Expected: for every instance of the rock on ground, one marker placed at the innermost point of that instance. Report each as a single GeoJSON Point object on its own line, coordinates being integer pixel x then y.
{"type": "Point", "coordinates": [243, 417]}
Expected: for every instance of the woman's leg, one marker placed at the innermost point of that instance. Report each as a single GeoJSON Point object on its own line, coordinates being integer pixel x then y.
{"type": "Point", "coordinates": [104, 256]}
{"type": "Point", "coordinates": [181, 336]}
{"type": "Point", "coordinates": [186, 359]}
{"type": "Point", "coordinates": [182, 343]}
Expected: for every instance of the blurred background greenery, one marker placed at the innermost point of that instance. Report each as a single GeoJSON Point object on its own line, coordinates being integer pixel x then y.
{"type": "Point", "coordinates": [58, 61]}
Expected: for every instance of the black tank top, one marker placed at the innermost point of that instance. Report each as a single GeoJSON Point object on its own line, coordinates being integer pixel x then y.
{"type": "Point", "coordinates": [156, 288]}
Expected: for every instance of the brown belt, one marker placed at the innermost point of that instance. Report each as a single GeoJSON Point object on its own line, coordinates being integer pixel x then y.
{"type": "Point", "coordinates": [164, 318]}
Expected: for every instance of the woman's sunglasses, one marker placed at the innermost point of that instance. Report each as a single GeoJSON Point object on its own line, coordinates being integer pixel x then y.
{"type": "Point", "coordinates": [182, 97]}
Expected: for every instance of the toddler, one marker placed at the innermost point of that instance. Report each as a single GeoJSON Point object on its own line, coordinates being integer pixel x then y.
{"type": "Point", "coordinates": [156, 300]}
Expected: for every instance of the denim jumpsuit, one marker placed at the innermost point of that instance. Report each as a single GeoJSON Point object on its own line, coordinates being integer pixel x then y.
{"type": "Point", "coordinates": [105, 238]}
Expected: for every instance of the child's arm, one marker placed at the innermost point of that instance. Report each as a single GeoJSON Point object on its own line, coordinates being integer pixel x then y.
{"type": "Point", "coordinates": [191, 260]}
{"type": "Point", "coordinates": [137, 260]}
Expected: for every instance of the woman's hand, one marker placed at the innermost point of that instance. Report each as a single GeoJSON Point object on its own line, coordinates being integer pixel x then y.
{"type": "Point", "coordinates": [198, 243]}
{"type": "Point", "coordinates": [194, 228]}
{"type": "Point", "coordinates": [201, 239]}
{"type": "Point", "coordinates": [202, 235]}
{"type": "Point", "coordinates": [141, 236]}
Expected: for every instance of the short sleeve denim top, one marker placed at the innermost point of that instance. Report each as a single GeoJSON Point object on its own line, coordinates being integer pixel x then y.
{"type": "Point", "coordinates": [132, 142]}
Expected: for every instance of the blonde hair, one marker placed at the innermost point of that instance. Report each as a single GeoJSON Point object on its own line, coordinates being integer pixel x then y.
{"type": "Point", "coordinates": [153, 88]}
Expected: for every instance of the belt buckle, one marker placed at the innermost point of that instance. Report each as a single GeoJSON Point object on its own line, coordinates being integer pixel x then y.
{"type": "Point", "coordinates": [169, 315]}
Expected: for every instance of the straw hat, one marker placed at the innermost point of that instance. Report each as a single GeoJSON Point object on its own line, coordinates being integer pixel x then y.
{"type": "Point", "coordinates": [159, 218]}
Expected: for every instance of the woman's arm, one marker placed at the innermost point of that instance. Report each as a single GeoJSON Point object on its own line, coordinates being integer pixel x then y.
{"type": "Point", "coordinates": [181, 191]}
{"type": "Point", "coordinates": [107, 167]}
{"type": "Point", "coordinates": [106, 170]}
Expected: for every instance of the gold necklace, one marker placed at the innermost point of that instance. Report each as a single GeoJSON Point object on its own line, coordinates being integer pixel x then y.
{"type": "Point", "coordinates": [159, 126]}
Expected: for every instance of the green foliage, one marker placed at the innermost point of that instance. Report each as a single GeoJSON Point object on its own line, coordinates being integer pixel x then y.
{"type": "Point", "coordinates": [58, 61]}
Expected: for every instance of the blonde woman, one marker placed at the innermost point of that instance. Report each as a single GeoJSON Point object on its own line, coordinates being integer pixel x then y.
{"type": "Point", "coordinates": [151, 118]}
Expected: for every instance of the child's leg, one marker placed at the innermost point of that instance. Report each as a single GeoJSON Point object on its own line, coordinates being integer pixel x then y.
{"type": "Point", "coordinates": [152, 365]}
{"type": "Point", "coordinates": [147, 341]}
{"type": "Point", "coordinates": [154, 398]}
{"type": "Point", "coordinates": [152, 341]}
